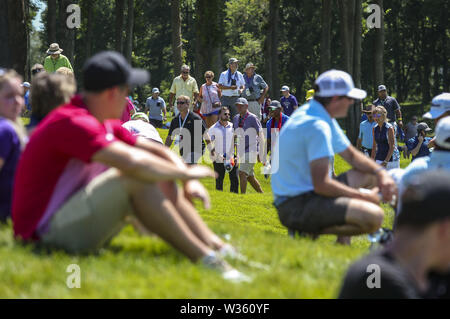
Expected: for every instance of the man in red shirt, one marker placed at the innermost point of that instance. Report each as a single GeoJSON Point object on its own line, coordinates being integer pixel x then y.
{"type": "Point", "coordinates": [82, 175]}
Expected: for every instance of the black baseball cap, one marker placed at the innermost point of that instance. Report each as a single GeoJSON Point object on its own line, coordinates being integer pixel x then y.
{"type": "Point", "coordinates": [426, 199]}
{"type": "Point", "coordinates": [108, 69]}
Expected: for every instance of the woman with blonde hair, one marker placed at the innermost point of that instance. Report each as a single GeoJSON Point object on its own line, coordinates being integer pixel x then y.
{"type": "Point", "coordinates": [12, 135]}
{"type": "Point", "coordinates": [384, 150]}
{"type": "Point", "coordinates": [209, 97]}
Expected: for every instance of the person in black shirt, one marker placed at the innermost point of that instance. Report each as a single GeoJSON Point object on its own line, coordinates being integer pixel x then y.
{"type": "Point", "coordinates": [416, 263]}
{"type": "Point", "coordinates": [189, 132]}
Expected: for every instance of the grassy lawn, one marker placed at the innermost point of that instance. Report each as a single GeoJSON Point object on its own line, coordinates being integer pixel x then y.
{"type": "Point", "coordinates": [134, 266]}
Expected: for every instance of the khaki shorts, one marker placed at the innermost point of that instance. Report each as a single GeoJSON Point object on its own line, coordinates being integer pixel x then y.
{"type": "Point", "coordinates": [246, 165]}
{"type": "Point", "coordinates": [91, 217]}
{"type": "Point", "coordinates": [255, 108]}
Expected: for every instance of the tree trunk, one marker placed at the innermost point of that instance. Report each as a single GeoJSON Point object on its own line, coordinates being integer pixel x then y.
{"type": "Point", "coordinates": [120, 7]}
{"type": "Point", "coordinates": [130, 27]}
{"type": "Point", "coordinates": [17, 36]}
{"type": "Point", "coordinates": [354, 113]}
{"type": "Point", "coordinates": [67, 36]}
{"type": "Point", "coordinates": [51, 21]}
{"type": "Point", "coordinates": [90, 15]}
{"type": "Point", "coordinates": [268, 60]}
{"type": "Point", "coordinates": [5, 56]}
{"type": "Point", "coordinates": [378, 64]}
{"type": "Point", "coordinates": [208, 37]}
{"type": "Point", "coordinates": [274, 6]}
{"type": "Point", "coordinates": [346, 40]}
{"type": "Point", "coordinates": [325, 43]}
{"type": "Point", "coordinates": [28, 32]}
{"type": "Point", "coordinates": [177, 45]}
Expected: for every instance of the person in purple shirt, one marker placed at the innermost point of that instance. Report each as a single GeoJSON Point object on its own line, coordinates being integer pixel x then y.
{"type": "Point", "coordinates": [249, 137]}
{"type": "Point", "coordinates": [11, 135]}
{"type": "Point", "coordinates": [288, 101]}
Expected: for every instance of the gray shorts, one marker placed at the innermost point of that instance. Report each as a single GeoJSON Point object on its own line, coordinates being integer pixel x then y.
{"type": "Point", "coordinates": [312, 213]}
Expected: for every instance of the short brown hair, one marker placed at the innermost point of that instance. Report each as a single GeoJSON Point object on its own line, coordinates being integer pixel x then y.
{"type": "Point", "coordinates": [50, 91]}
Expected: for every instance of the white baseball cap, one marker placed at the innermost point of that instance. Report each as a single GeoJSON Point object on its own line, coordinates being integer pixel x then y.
{"type": "Point", "coordinates": [443, 133]}
{"type": "Point", "coordinates": [382, 88]}
{"type": "Point", "coordinates": [439, 105]}
{"type": "Point", "coordinates": [285, 88]}
{"type": "Point", "coordinates": [338, 83]}
{"type": "Point", "coordinates": [26, 84]}
{"type": "Point", "coordinates": [155, 90]}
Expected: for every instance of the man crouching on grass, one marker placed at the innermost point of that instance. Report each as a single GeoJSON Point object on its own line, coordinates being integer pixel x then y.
{"type": "Point", "coordinates": [82, 174]}
{"type": "Point", "coordinates": [307, 199]}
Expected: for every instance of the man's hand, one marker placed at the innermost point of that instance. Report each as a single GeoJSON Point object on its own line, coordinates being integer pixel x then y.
{"type": "Point", "coordinates": [261, 100]}
{"type": "Point", "coordinates": [372, 196]}
{"type": "Point", "coordinates": [387, 185]}
{"type": "Point", "coordinates": [194, 189]}
{"type": "Point", "coordinates": [420, 138]}
{"type": "Point", "coordinates": [400, 124]}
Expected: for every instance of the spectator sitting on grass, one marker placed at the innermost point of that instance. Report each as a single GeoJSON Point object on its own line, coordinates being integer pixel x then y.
{"type": "Point", "coordinates": [12, 136]}
{"type": "Point", "coordinates": [82, 174]}
{"type": "Point", "coordinates": [139, 126]}
{"type": "Point", "coordinates": [49, 91]}
{"type": "Point", "coordinates": [420, 245]}
{"type": "Point", "coordinates": [307, 198]}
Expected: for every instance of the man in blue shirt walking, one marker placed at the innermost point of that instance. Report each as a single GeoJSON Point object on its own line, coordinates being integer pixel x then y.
{"type": "Point", "coordinates": [307, 198]}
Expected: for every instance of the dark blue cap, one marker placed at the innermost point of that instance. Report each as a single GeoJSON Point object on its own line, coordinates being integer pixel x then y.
{"type": "Point", "coordinates": [108, 69]}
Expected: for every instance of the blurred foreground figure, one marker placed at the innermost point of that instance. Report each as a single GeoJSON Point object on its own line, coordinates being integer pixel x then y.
{"type": "Point", "coordinates": [414, 264]}
{"type": "Point", "coordinates": [82, 174]}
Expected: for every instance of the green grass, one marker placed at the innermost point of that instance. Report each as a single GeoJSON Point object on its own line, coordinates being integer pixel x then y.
{"type": "Point", "coordinates": [133, 266]}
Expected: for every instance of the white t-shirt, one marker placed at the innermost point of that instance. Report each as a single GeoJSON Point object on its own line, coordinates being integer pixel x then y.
{"type": "Point", "coordinates": [224, 81]}
{"type": "Point", "coordinates": [142, 129]}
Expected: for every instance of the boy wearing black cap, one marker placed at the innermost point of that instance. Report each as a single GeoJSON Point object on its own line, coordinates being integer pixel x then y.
{"type": "Point", "coordinates": [420, 246]}
{"type": "Point", "coordinates": [82, 174]}
{"type": "Point", "coordinates": [419, 145]}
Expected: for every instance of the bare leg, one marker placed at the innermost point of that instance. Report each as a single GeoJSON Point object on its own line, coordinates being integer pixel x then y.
{"type": "Point", "coordinates": [160, 216]}
{"type": "Point", "coordinates": [255, 184]}
{"type": "Point", "coordinates": [190, 216]}
{"type": "Point", "coordinates": [243, 182]}
{"type": "Point", "coordinates": [360, 180]}
{"type": "Point", "coordinates": [361, 218]}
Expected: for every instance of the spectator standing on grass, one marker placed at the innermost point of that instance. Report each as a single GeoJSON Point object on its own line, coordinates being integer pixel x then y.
{"type": "Point", "coordinates": [420, 246]}
{"type": "Point", "coordinates": [82, 174]}
{"type": "Point", "coordinates": [188, 130]}
{"type": "Point", "coordinates": [232, 84]}
{"type": "Point", "coordinates": [27, 87]}
{"type": "Point", "coordinates": [419, 146]}
{"type": "Point", "coordinates": [156, 109]}
{"type": "Point", "coordinates": [221, 135]}
{"type": "Point", "coordinates": [365, 137]}
{"type": "Point", "coordinates": [55, 59]}
{"type": "Point", "coordinates": [255, 90]}
{"type": "Point", "coordinates": [276, 122]}
{"type": "Point", "coordinates": [12, 136]}
{"type": "Point", "coordinates": [186, 85]}
{"type": "Point", "coordinates": [249, 133]}
{"type": "Point", "coordinates": [307, 198]}
{"type": "Point", "coordinates": [288, 101]}
{"type": "Point", "coordinates": [394, 113]}
{"type": "Point", "coordinates": [384, 146]}
{"type": "Point", "coordinates": [209, 97]}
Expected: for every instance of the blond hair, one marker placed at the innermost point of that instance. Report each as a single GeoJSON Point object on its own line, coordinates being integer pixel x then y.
{"type": "Point", "coordinates": [381, 110]}
{"type": "Point", "coordinates": [209, 73]}
{"type": "Point", "coordinates": [16, 123]}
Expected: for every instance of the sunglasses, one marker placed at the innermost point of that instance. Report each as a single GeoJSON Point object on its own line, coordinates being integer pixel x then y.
{"type": "Point", "coordinates": [208, 77]}
{"type": "Point", "coordinates": [36, 71]}
{"type": "Point", "coordinates": [377, 116]}
{"type": "Point", "coordinates": [184, 72]}
{"type": "Point", "coordinates": [180, 103]}
{"type": "Point", "coordinates": [226, 114]}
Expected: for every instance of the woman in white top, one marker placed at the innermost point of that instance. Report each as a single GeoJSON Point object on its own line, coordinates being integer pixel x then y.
{"type": "Point", "coordinates": [209, 96]}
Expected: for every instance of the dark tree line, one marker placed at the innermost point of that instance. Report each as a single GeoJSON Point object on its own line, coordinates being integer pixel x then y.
{"type": "Point", "coordinates": [290, 41]}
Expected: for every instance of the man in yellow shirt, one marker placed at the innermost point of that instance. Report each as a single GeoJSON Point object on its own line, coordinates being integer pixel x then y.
{"type": "Point", "coordinates": [55, 59]}
{"type": "Point", "coordinates": [184, 84]}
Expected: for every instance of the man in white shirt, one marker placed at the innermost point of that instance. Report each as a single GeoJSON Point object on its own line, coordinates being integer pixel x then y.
{"type": "Point", "coordinates": [221, 135]}
{"type": "Point", "coordinates": [232, 84]}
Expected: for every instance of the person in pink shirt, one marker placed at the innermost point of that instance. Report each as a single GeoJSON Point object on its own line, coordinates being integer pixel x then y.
{"type": "Point", "coordinates": [128, 112]}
